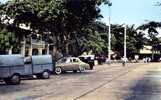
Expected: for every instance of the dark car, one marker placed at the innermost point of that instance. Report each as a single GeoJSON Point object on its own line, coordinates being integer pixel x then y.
{"type": "Point", "coordinates": [100, 58]}
{"type": "Point", "coordinates": [88, 59]}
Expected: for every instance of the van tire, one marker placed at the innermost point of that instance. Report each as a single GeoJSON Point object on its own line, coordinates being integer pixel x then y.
{"type": "Point", "coordinates": [7, 81]}
{"type": "Point", "coordinates": [46, 75]}
{"type": "Point", "coordinates": [14, 80]}
{"type": "Point", "coordinates": [39, 76]}
{"type": "Point", "coordinates": [58, 70]}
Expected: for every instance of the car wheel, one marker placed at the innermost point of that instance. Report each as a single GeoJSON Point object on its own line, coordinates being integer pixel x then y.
{"type": "Point", "coordinates": [58, 70]}
{"type": "Point", "coordinates": [91, 67]}
{"type": "Point", "coordinates": [75, 71]}
{"type": "Point", "coordinates": [14, 80]}
{"type": "Point", "coordinates": [81, 69]}
{"type": "Point", "coordinates": [46, 75]}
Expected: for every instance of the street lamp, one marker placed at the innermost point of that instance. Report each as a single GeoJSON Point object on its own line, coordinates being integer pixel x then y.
{"type": "Point", "coordinates": [109, 32]}
{"type": "Point", "coordinates": [125, 28]}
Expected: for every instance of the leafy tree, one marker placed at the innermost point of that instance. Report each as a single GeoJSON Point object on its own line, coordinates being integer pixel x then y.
{"type": "Point", "coordinates": [8, 40]}
{"type": "Point", "coordinates": [134, 40]}
{"type": "Point", "coordinates": [62, 20]}
{"type": "Point", "coordinates": [91, 40]}
{"type": "Point", "coordinates": [152, 34]}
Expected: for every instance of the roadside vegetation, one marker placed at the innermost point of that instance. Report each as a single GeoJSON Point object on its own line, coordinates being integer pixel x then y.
{"type": "Point", "coordinates": [70, 27]}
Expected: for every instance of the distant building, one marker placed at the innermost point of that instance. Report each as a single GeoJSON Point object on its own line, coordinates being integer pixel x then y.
{"type": "Point", "coordinates": [37, 48]}
{"type": "Point", "coordinates": [146, 51]}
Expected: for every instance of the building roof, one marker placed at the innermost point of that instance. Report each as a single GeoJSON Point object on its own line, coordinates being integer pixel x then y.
{"type": "Point", "coordinates": [146, 50]}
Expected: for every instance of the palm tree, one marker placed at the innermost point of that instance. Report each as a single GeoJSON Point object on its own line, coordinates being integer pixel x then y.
{"type": "Point", "coordinates": [151, 27]}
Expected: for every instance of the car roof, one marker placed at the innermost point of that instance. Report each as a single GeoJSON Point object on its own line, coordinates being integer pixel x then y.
{"type": "Point", "coordinates": [72, 57]}
{"type": "Point", "coordinates": [87, 56]}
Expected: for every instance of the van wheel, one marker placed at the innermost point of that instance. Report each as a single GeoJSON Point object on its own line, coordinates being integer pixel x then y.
{"type": "Point", "coordinates": [7, 81]}
{"type": "Point", "coordinates": [39, 76]}
{"type": "Point", "coordinates": [46, 75]}
{"type": "Point", "coordinates": [14, 80]}
{"type": "Point", "coordinates": [58, 70]}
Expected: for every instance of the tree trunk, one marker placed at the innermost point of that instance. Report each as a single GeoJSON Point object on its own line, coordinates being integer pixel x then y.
{"type": "Point", "coordinates": [23, 47]}
{"type": "Point", "coordinates": [10, 50]}
{"type": "Point", "coordinates": [54, 50]}
{"type": "Point", "coordinates": [152, 54]}
{"type": "Point", "coordinates": [56, 54]}
{"type": "Point", "coordinates": [31, 48]}
{"type": "Point", "coordinates": [67, 48]}
{"type": "Point", "coordinates": [67, 43]}
{"type": "Point", "coordinates": [47, 51]}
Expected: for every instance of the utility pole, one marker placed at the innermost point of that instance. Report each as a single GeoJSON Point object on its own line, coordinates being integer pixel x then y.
{"type": "Point", "coordinates": [109, 33]}
{"type": "Point", "coordinates": [125, 58]}
{"type": "Point", "coordinates": [48, 45]}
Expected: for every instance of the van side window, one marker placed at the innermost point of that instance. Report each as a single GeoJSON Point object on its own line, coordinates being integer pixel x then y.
{"type": "Point", "coordinates": [28, 61]}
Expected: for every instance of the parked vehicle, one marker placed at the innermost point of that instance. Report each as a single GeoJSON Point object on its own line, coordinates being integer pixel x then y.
{"type": "Point", "coordinates": [89, 59]}
{"type": "Point", "coordinates": [40, 65]}
{"type": "Point", "coordinates": [70, 64]}
{"type": "Point", "coordinates": [100, 58]}
{"type": "Point", "coordinates": [11, 68]}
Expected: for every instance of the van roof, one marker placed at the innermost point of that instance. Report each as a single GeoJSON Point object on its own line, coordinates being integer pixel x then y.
{"type": "Point", "coordinates": [6, 60]}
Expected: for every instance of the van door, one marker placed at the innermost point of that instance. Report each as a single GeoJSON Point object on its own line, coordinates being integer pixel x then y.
{"type": "Point", "coordinates": [28, 67]}
{"type": "Point", "coordinates": [37, 68]}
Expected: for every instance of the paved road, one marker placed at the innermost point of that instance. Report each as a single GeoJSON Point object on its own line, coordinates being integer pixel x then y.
{"type": "Point", "coordinates": [140, 81]}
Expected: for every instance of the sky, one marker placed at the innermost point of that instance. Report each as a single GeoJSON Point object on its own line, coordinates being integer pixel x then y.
{"type": "Point", "coordinates": [132, 11]}
{"type": "Point", "coordinates": [3, 1]}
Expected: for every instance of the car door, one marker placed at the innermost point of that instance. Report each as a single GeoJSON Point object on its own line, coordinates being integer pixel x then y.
{"type": "Point", "coordinates": [75, 64]}
{"type": "Point", "coordinates": [68, 64]}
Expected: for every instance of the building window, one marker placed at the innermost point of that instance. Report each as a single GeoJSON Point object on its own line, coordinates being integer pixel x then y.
{"type": "Point", "coordinates": [35, 52]}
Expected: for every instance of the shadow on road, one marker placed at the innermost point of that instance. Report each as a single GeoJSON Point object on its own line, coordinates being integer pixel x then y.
{"type": "Point", "coordinates": [4, 89]}
{"type": "Point", "coordinates": [27, 83]}
{"type": "Point", "coordinates": [147, 88]}
{"type": "Point", "coordinates": [77, 73]}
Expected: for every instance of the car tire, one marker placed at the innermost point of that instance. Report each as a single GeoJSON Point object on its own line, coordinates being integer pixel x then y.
{"type": "Point", "coordinates": [58, 70]}
{"type": "Point", "coordinates": [14, 80]}
{"type": "Point", "coordinates": [81, 68]}
{"type": "Point", "coordinates": [74, 71]}
{"type": "Point", "coordinates": [46, 75]}
{"type": "Point", "coordinates": [91, 67]}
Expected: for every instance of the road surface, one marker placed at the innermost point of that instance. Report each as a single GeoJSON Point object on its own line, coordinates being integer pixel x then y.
{"type": "Point", "coordinates": [114, 82]}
